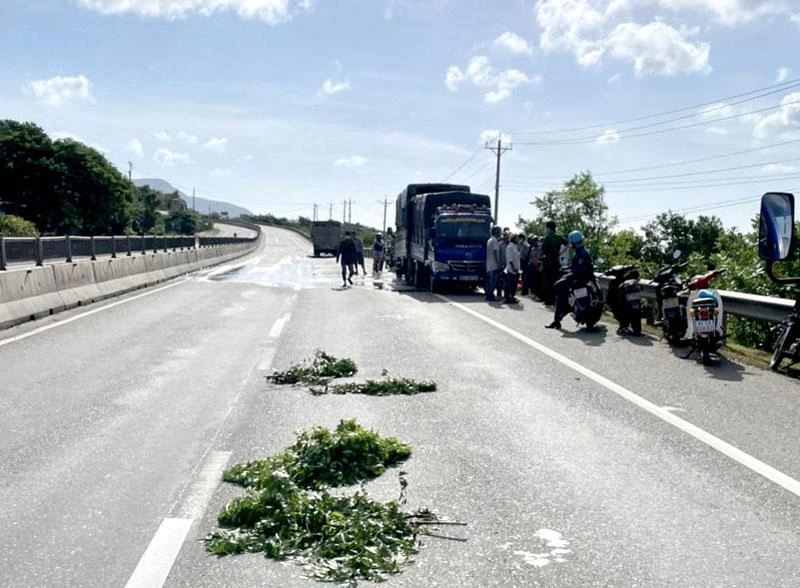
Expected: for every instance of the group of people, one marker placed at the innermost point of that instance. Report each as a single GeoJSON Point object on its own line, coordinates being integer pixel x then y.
{"type": "Point", "coordinates": [351, 255]}
{"type": "Point", "coordinates": [539, 263]}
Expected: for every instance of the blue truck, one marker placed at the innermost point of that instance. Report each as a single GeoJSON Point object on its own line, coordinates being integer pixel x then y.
{"type": "Point", "coordinates": [441, 235]}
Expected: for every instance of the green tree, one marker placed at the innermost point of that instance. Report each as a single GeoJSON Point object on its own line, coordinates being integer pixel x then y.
{"type": "Point", "coordinates": [15, 226]}
{"type": "Point", "coordinates": [145, 210]}
{"type": "Point", "coordinates": [183, 222]}
{"type": "Point", "coordinates": [579, 205]}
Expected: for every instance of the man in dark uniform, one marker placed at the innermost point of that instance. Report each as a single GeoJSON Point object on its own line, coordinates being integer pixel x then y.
{"type": "Point", "coordinates": [347, 256]}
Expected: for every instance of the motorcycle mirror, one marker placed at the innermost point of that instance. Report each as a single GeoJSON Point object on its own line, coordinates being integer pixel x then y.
{"type": "Point", "coordinates": [776, 235]}
{"type": "Point", "coordinates": [676, 255]}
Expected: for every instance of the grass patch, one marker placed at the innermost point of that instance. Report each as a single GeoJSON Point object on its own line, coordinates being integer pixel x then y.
{"type": "Point", "coordinates": [288, 511]}
{"type": "Point", "coordinates": [387, 387]}
{"type": "Point", "coordinates": [317, 370]}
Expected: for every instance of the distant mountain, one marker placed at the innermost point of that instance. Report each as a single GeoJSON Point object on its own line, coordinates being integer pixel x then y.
{"type": "Point", "coordinates": [203, 205]}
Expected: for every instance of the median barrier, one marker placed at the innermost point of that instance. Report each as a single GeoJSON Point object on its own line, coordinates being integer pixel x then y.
{"type": "Point", "coordinates": [28, 294]}
{"type": "Point", "coordinates": [31, 293]}
{"type": "Point", "coordinates": [76, 283]}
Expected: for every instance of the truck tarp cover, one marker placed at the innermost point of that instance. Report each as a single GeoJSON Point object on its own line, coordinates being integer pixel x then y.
{"type": "Point", "coordinates": [432, 201]}
{"type": "Point", "coordinates": [405, 210]}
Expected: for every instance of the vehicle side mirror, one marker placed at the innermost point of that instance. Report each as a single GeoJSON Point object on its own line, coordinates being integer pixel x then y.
{"type": "Point", "coordinates": [776, 235]}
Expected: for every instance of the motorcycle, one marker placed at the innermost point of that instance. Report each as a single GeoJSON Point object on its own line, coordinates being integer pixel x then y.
{"type": "Point", "coordinates": [624, 298]}
{"type": "Point", "coordinates": [706, 328]}
{"type": "Point", "coordinates": [586, 302]}
{"type": "Point", "coordinates": [671, 312]}
{"type": "Point", "coordinates": [788, 343]}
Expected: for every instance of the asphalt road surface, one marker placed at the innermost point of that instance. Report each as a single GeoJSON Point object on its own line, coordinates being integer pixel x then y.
{"type": "Point", "coordinates": [576, 459]}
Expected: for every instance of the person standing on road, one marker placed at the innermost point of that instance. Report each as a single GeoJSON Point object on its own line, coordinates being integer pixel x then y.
{"type": "Point", "coordinates": [512, 271]}
{"type": "Point", "coordinates": [359, 254]}
{"type": "Point", "coordinates": [551, 263]}
{"type": "Point", "coordinates": [377, 255]}
{"type": "Point", "coordinates": [347, 256]}
{"type": "Point", "coordinates": [492, 265]}
{"type": "Point", "coordinates": [501, 256]}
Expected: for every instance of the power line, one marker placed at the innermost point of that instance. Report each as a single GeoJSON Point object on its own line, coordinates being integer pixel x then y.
{"type": "Point", "coordinates": [460, 167]}
{"type": "Point", "coordinates": [703, 208]}
{"type": "Point", "coordinates": [593, 139]}
{"type": "Point", "coordinates": [774, 89]}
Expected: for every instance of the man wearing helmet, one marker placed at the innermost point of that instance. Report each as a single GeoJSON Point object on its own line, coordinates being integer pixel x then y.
{"type": "Point", "coordinates": [582, 271]}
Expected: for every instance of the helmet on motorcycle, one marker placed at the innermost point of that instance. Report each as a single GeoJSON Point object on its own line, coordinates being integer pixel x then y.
{"type": "Point", "coordinates": [707, 295]}
{"type": "Point", "coordinates": [575, 238]}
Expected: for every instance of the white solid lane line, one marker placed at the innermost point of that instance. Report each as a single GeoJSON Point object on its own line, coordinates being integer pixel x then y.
{"type": "Point", "coordinates": [154, 567]}
{"type": "Point", "coordinates": [194, 505]}
{"type": "Point", "coordinates": [277, 328]}
{"type": "Point", "coordinates": [773, 475]}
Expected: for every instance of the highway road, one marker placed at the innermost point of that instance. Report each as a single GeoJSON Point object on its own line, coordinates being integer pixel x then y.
{"type": "Point", "coordinates": [576, 459]}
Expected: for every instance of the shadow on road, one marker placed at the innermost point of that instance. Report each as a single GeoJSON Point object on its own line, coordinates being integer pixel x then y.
{"type": "Point", "coordinates": [595, 337]}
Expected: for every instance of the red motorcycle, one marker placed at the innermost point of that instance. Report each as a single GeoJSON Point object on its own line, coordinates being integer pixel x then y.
{"type": "Point", "coordinates": [706, 326]}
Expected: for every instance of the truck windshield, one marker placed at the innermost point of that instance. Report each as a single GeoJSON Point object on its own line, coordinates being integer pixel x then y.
{"type": "Point", "coordinates": [462, 229]}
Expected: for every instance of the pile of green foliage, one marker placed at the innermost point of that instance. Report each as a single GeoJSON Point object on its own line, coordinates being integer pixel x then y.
{"type": "Point", "coordinates": [288, 511]}
{"type": "Point", "coordinates": [317, 370]}
{"type": "Point", "coordinates": [386, 387]}
{"type": "Point", "coordinates": [15, 226]}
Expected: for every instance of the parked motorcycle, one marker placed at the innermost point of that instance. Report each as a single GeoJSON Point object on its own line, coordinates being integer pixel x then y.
{"type": "Point", "coordinates": [624, 298]}
{"type": "Point", "coordinates": [706, 327]}
{"type": "Point", "coordinates": [671, 312]}
{"type": "Point", "coordinates": [788, 343]}
{"type": "Point", "coordinates": [586, 302]}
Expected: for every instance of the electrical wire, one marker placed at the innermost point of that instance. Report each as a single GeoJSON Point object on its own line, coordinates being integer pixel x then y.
{"type": "Point", "coordinates": [773, 89]}
{"type": "Point", "coordinates": [460, 167]}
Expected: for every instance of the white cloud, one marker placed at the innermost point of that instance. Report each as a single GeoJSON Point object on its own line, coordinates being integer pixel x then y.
{"type": "Point", "coordinates": [609, 136]}
{"type": "Point", "coordinates": [60, 136]}
{"type": "Point", "coordinates": [594, 29]}
{"type": "Point", "coordinates": [716, 131]}
{"type": "Point", "coordinates": [716, 111]}
{"type": "Point", "coordinates": [163, 136]}
{"type": "Point", "coordinates": [218, 144]}
{"type": "Point", "coordinates": [513, 43]}
{"type": "Point", "coordinates": [134, 147]}
{"type": "Point", "coordinates": [270, 11]}
{"type": "Point", "coordinates": [453, 78]}
{"type": "Point", "coordinates": [479, 71]}
{"type": "Point", "coordinates": [491, 135]}
{"type": "Point", "coordinates": [220, 173]}
{"type": "Point", "coordinates": [187, 138]}
{"type": "Point", "coordinates": [783, 74]}
{"type": "Point", "coordinates": [248, 158]}
{"type": "Point", "coordinates": [55, 91]}
{"type": "Point", "coordinates": [168, 158]}
{"type": "Point", "coordinates": [731, 12]}
{"type": "Point", "coordinates": [658, 49]}
{"type": "Point", "coordinates": [778, 168]}
{"type": "Point", "coordinates": [352, 161]}
{"type": "Point", "coordinates": [785, 118]}
{"type": "Point", "coordinates": [331, 88]}
{"type": "Point", "coordinates": [614, 78]}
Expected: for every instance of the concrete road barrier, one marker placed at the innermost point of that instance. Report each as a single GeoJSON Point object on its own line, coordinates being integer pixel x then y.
{"type": "Point", "coordinates": [76, 283]}
{"type": "Point", "coordinates": [28, 294]}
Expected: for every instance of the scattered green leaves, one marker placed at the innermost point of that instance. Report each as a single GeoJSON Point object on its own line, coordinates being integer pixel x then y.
{"type": "Point", "coordinates": [317, 370]}
{"type": "Point", "coordinates": [387, 387]}
{"type": "Point", "coordinates": [289, 512]}
{"type": "Point", "coordinates": [345, 456]}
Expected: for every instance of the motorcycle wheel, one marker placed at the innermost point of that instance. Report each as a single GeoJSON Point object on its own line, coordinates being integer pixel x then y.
{"type": "Point", "coordinates": [706, 356]}
{"type": "Point", "coordinates": [636, 321]}
{"type": "Point", "coordinates": [780, 348]}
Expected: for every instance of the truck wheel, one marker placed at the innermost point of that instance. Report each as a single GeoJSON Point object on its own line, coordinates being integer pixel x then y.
{"type": "Point", "coordinates": [316, 252]}
{"type": "Point", "coordinates": [410, 274]}
{"type": "Point", "coordinates": [433, 284]}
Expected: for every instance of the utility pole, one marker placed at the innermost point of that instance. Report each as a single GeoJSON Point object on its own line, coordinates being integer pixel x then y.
{"type": "Point", "coordinates": [194, 201]}
{"type": "Point", "coordinates": [130, 171]}
{"type": "Point", "coordinates": [344, 212]}
{"type": "Point", "coordinates": [350, 211]}
{"type": "Point", "coordinates": [498, 151]}
{"type": "Point", "coordinates": [314, 217]}
{"type": "Point", "coordinates": [330, 211]}
{"type": "Point", "coordinates": [385, 205]}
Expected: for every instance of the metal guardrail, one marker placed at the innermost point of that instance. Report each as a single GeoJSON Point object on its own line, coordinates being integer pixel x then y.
{"type": "Point", "coordinates": [737, 303]}
{"type": "Point", "coordinates": [38, 250]}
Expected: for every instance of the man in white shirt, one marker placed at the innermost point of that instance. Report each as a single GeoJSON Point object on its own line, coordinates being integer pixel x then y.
{"type": "Point", "coordinates": [492, 264]}
{"type": "Point", "coordinates": [512, 271]}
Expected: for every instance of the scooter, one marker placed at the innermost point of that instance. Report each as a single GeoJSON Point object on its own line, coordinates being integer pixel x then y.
{"type": "Point", "coordinates": [706, 328]}
{"type": "Point", "coordinates": [670, 310]}
{"type": "Point", "coordinates": [624, 298]}
{"type": "Point", "coordinates": [586, 302]}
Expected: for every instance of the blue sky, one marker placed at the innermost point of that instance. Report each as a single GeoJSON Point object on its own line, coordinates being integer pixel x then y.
{"type": "Point", "coordinates": [280, 104]}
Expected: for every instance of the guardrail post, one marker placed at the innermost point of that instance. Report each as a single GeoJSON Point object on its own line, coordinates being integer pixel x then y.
{"type": "Point", "coordinates": [2, 253]}
{"type": "Point", "coordinates": [144, 243]}
{"type": "Point", "coordinates": [165, 244]}
{"type": "Point", "coordinates": [68, 243]}
{"type": "Point", "coordinates": [39, 252]}
{"type": "Point", "coordinates": [93, 248]}
{"type": "Point", "coordinates": [130, 250]}
{"type": "Point", "coordinates": [155, 243]}
{"type": "Point", "coordinates": [113, 247]}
